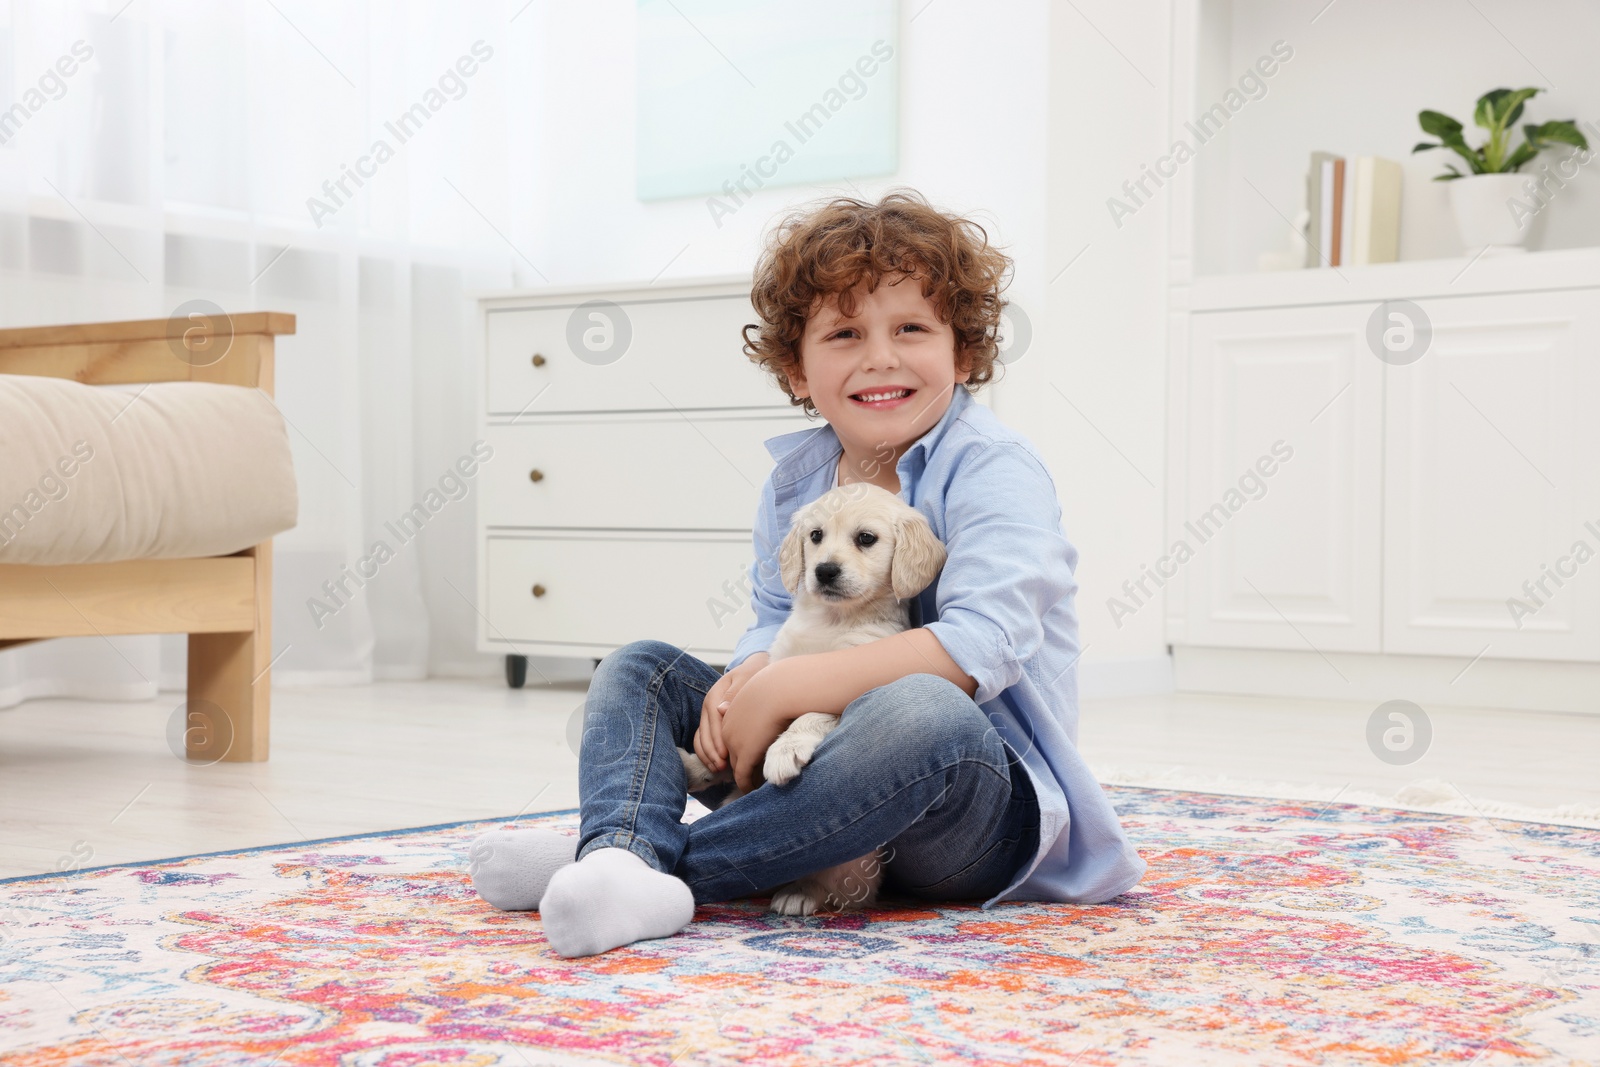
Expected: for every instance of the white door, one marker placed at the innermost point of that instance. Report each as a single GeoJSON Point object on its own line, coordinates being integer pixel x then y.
{"type": "Point", "coordinates": [1284, 494]}
{"type": "Point", "coordinates": [1492, 541]}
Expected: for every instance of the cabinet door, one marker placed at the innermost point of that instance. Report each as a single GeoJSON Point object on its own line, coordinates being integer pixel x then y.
{"type": "Point", "coordinates": [1288, 559]}
{"type": "Point", "coordinates": [1493, 454]}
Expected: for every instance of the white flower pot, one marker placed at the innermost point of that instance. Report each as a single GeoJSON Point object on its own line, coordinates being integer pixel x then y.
{"type": "Point", "coordinates": [1482, 206]}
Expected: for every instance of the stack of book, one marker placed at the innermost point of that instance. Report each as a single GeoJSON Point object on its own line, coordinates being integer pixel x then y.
{"type": "Point", "coordinates": [1354, 210]}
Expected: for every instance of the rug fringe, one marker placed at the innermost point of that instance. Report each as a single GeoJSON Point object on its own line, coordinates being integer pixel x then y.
{"type": "Point", "coordinates": [1428, 794]}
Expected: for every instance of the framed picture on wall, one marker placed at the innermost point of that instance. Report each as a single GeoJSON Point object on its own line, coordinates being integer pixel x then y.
{"type": "Point", "coordinates": [728, 104]}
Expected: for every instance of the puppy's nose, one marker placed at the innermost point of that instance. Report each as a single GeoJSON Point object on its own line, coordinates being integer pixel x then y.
{"type": "Point", "coordinates": [827, 573]}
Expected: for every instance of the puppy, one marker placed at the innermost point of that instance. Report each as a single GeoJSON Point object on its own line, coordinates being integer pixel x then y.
{"type": "Point", "coordinates": [852, 560]}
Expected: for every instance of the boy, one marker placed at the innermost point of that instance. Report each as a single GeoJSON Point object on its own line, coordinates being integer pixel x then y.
{"type": "Point", "coordinates": [956, 747]}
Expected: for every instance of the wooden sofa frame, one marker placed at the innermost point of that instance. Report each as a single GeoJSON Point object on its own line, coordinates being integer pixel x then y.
{"type": "Point", "coordinates": [224, 603]}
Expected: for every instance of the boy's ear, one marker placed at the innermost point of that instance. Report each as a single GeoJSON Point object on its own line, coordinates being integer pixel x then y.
{"type": "Point", "coordinates": [964, 365]}
{"type": "Point", "coordinates": [791, 560]}
{"type": "Point", "coordinates": [918, 556]}
{"type": "Point", "coordinates": [797, 381]}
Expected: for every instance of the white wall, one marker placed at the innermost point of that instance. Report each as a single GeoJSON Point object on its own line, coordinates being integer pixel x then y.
{"type": "Point", "coordinates": [1101, 329]}
{"type": "Point", "coordinates": [972, 82]}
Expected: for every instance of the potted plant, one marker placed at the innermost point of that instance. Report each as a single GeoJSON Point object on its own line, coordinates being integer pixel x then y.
{"type": "Point", "coordinates": [1481, 198]}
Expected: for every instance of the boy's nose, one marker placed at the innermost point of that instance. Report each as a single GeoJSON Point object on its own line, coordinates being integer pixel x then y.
{"type": "Point", "coordinates": [879, 354]}
{"type": "Point", "coordinates": [827, 573]}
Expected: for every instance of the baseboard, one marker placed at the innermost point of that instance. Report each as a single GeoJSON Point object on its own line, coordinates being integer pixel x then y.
{"type": "Point", "coordinates": [282, 679]}
{"type": "Point", "coordinates": [12, 695]}
{"type": "Point", "coordinates": [540, 668]}
{"type": "Point", "coordinates": [399, 672]}
{"type": "Point", "coordinates": [1132, 677]}
{"type": "Point", "coordinates": [1451, 681]}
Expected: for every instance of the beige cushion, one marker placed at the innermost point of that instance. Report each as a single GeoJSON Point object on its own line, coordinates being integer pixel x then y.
{"type": "Point", "coordinates": [93, 474]}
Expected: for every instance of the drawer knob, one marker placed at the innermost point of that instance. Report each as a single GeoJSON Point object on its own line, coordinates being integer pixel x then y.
{"type": "Point", "coordinates": [538, 360]}
{"type": "Point", "coordinates": [536, 475]}
{"type": "Point", "coordinates": [538, 590]}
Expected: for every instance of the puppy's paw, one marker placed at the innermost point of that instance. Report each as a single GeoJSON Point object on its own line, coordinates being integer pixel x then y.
{"type": "Point", "coordinates": [797, 898]}
{"type": "Point", "coordinates": [786, 756]}
{"type": "Point", "coordinates": [695, 771]}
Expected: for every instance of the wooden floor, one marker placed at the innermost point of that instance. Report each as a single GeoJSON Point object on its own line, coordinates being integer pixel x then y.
{"type": "Point", "coordinates": [84, 784]}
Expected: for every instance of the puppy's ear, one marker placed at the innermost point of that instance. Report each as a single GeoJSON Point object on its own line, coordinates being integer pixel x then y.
{"type": "Point", "coordinates": [918, 556]}
{"type": "Point", "coordinates": [792, 560]}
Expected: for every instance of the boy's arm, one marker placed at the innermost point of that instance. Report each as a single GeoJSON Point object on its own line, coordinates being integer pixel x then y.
{"type": "Point", "coordinates": [827, 681]}
{"type": "Point", "coordinates": [768, 598]}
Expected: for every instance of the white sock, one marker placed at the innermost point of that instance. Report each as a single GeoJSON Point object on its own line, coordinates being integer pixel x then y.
{"type": "Point", "coordinates": [612, 898]}
{"type": "Point", "coordinates": [511, 869]}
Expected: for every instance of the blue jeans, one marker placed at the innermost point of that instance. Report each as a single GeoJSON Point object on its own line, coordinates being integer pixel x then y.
{"type": "Point", "coordinates": [914, 766]}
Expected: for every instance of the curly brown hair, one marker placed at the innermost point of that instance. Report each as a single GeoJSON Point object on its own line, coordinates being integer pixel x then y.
{"type": "Point", "coordinates": [827, 251]}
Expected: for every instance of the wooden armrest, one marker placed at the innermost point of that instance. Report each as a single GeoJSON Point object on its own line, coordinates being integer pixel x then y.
{"type": "Point", "coordinates": [235, 349]}
{"type": "Point", "coordinates": [271, 322]}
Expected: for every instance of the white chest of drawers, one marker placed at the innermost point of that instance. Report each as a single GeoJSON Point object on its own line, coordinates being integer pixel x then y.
{"type": "Point", "coordinates": [627, 429]}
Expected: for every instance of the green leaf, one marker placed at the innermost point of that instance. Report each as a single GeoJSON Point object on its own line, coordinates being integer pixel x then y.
{"type": "Point", "coordinates": [1563, 131]}
{"type": "Point", "coordinates": [1422, 146]}
{"type": "Point", "coordinates": [1448, 177]}
{"type": "Point", "coordinates": [1440, 125]}
{"type": "Point", "coordinates": [1484, 114]}
{"type": "Point", "coordinates": [1509, 109]}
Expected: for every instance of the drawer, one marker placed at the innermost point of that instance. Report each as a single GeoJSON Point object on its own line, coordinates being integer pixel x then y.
{"type": "Point", "coordinates": [599, 589]}
{"type": "Point", "coordinates": [674, 354]}
{"type": "Point", "coordinates": [667, 473]}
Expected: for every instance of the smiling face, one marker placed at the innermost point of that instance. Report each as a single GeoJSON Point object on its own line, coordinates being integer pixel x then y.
{"type": "Point", "coordinates": [883, 376]}
{"type": "Point", "coordinates": [856, 545]}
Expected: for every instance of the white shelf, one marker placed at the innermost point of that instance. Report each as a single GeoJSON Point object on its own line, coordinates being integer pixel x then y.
{"type": "Point", "coordinates": [1573, 268]}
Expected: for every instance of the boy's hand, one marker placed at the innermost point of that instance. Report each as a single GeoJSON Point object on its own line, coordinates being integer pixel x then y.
{"type": "Point", "coordinates": [708, 743]}
{"type": "Point", "coordinates": [755, 716]}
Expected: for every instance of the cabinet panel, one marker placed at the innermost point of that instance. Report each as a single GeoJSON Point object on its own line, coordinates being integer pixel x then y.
{"type": "Point", "coordinates": [609, 589]}
{"type": "Point", "coordinates": [1290, 558]}
{"type": "Point", "coordinates": [678, 354]}
{"type": "Point", "coordinates": [701, 475]}
{"type": "Point", "coordinates": [1492, 463]}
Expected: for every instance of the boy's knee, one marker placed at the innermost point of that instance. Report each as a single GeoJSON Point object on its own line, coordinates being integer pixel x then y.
{"type": "Point", "coordinates": [921, 707]}
{"type": "Point", "coordinates": [638, 656]}
{"type": "Point", "coordinates": [924, 697]}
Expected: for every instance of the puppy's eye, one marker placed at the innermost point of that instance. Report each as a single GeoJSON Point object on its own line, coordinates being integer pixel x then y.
{"type": "Point", "coordinates": [816, 537]}
{"type": "Point", "coordinates": [866, 539]}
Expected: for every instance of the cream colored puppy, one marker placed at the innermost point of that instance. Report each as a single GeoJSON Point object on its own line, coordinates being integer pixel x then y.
{"type": "Point", "coordinates": [852, 561]}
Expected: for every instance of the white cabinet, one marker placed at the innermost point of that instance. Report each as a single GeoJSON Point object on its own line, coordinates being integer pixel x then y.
{"type": "Point", "coordinates": [628, 428]}
{"type": "Point", "coordinates": [1493, 470]}
{"type": "Point", "coordinates": [1422, 501]}
{"type": "Point", "coordinates": [1436, 535]}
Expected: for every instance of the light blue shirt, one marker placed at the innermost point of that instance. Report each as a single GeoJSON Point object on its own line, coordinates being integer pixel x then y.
{"type": "Point", "coordinates": [1002, 607]}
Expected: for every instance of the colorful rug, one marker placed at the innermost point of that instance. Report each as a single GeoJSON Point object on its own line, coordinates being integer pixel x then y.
{"type": "Point", "coordinates": [1266, 933]}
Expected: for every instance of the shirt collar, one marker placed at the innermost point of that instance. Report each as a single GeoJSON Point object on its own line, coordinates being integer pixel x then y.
{"type": "Point", "coordinates": [801, 454]}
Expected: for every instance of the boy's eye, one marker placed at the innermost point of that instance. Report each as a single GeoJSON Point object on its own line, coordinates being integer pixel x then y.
{"type": "Point", "coordinates": [866, 539]}
{"type": "Point", "coordinates": [816, 537]}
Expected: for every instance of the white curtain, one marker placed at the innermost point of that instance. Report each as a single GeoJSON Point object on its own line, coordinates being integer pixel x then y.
{"type": "Point", "coordinates": [157, 152]}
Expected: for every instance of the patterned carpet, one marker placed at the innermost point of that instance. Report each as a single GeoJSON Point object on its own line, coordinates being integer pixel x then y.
{"type": "Point", "coordinates": [1267, 932]}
